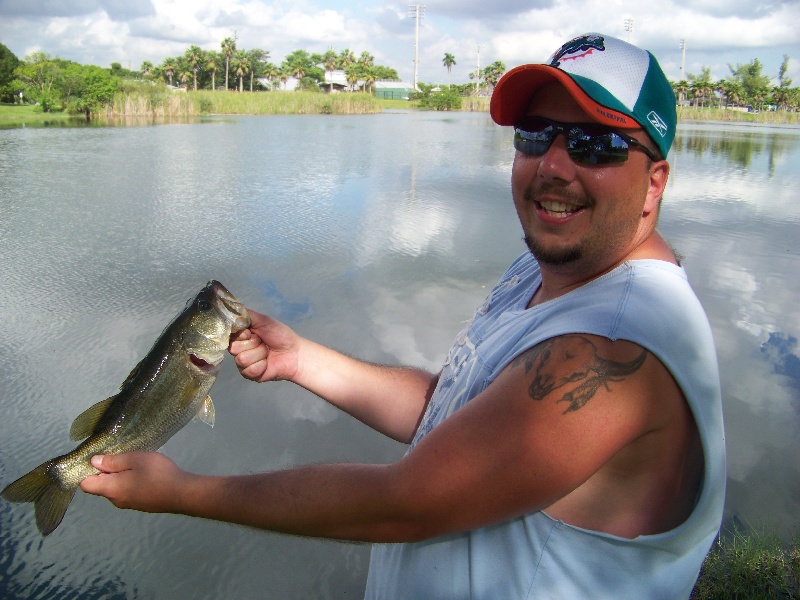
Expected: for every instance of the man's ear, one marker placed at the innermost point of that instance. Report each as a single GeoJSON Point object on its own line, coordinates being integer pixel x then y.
{"type": "Point", "coordinates": [659, 173]}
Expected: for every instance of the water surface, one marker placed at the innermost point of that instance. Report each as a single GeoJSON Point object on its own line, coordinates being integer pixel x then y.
{"type": "Point", "coordinates": [378, 235]}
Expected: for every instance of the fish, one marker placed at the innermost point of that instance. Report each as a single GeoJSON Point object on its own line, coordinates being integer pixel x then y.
{"type": "Point", "coordinates": [166, 390]}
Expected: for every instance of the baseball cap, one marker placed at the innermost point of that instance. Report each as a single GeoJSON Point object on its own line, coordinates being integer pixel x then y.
{"type": "Point", "coordinates": [615, 82]}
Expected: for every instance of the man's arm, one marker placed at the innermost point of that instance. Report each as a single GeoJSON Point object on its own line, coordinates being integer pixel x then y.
{"type": "Point", "coordinates": [388, 399]}
{"type": "Point", "coordinates": [550, 422]}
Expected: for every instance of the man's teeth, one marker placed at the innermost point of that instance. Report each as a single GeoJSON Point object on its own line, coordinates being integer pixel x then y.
{"type": "Point", "coordinates": [558, 209]}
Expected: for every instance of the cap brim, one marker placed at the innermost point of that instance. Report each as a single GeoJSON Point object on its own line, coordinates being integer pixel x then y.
{"type": "Point", "coordinates": [513, 94]}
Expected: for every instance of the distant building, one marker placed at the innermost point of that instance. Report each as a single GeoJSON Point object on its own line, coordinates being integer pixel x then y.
{"type": "Point", "coordinates": [398, 90]}
{"type": "Point", "coordinates": [389, 90]}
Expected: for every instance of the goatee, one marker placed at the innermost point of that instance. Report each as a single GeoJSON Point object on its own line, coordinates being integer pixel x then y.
{"type": "Point", "coordinates": [553, 257]}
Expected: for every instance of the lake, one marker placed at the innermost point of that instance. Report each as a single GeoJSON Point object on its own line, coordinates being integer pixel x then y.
{"type": "Point", "coordinates": [378, 235]}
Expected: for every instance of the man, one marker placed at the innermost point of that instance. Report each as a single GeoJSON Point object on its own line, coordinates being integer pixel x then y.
{"type": "Point", "coordinates": [572, 444]}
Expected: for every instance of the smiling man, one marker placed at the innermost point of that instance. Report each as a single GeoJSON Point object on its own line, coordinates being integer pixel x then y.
{"type": "Point", "coordinates": [572, 444]}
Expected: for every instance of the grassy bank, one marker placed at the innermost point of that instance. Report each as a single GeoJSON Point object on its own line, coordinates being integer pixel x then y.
{"type": "Point", "coordinates": [157, 104]}
{"type": "Point", "coordinates": [753, 565]}
{"type": "Point", "coordinates": [688, 113]}
{"type": "Point", "coordinates": [14, 115]}
{"type": "Point", "coordinates": [163, 103]}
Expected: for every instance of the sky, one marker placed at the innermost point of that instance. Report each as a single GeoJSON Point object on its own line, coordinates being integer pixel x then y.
{"type": "Point", "coordinates": [715, 33]}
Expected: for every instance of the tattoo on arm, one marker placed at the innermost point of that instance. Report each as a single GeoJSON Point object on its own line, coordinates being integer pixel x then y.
{"type": "Point", "coordinates": [550, 364]}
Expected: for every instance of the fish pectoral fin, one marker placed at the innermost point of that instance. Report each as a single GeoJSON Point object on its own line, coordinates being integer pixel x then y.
{"type": "Point", "coordinates": [84, 424]}
{"type": "Point", "coordinates": [207, 414]}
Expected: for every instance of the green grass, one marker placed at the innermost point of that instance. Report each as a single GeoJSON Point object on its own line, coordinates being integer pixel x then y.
{"type": "Point", "coordinates": [750, 565]}
{"type": "Point", "coordinates": [779, 117]}
{"type": "Point", "coordinates": [159, 103]}
{"type": "Point", "coordinates": [15, 115]}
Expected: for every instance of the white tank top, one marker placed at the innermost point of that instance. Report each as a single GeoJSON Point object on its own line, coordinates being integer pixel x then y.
{"type": "Point", "coordinates": [648, 302]}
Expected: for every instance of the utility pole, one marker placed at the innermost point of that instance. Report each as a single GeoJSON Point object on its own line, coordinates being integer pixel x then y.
{"type": "Point", "coordinates": [478, 71]}
{"type": "Point", "coordinates": [683, 58]}
{"type": "Point", "coordinates": [629, 27]}
{"type": "Point", "coordinates": [416, 11]}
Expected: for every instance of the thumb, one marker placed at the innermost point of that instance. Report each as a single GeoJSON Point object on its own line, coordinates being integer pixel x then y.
{"type": "Point", "coordinates": [108, 463]}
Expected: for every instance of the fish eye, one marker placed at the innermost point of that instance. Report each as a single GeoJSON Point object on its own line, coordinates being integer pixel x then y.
{"type": "Point", "coordinates": [203, 304]}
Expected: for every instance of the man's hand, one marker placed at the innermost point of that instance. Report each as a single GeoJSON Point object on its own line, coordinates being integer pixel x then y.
{"type": "Point", "coordinates": [267, 351]}
{"type": "Point", "coordinates": [145, 481]}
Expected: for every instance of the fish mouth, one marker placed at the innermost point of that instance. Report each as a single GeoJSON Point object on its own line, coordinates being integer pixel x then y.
{"type": "Point", "coordinates": [208, 366]}
{"type": "Point", "coordinates": [228, 305]}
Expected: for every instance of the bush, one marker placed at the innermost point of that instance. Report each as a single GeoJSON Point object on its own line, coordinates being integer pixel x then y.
{"type": "Point", "coordinates": [446, 99]}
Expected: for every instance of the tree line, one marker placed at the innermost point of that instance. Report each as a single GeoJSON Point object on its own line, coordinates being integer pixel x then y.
{"type": "Point", "coordinates": [747, 87]}
{"type": "Point", "coordinates": [54, 83]}
{"type": "Point", "coordinates": [199, 68]}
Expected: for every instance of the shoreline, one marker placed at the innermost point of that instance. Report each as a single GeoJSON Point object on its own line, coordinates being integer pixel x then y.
{"type": "Point", "coordinates": [166, 107]}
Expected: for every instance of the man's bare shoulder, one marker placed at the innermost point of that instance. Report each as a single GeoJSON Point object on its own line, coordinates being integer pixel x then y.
{"type": "Point", "coordinates": [644, 438]}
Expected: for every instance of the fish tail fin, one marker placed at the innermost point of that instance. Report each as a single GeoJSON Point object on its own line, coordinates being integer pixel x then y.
{"type": "Point", "coordinates": [49, 498]}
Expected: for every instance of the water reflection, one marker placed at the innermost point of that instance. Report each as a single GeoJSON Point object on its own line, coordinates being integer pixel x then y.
{"type": "Point", "coordinates": [732, 208]}
{"type": "Point", "coordinates": [378, 235]}
{"type": "Point", "coordinates": [738, 143]}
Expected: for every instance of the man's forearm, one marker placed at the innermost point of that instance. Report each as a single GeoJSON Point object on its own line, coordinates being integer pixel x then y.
{"type": "Point", "coordinates": [343, 501]}
{"type": "Point", "coordinates": [388, 399]}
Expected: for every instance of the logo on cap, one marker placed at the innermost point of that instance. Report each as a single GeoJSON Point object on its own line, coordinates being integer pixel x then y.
{"type": "Point", "coordinates": [577, 48]}
{"type": "Point", "coordinates": [657, 122]}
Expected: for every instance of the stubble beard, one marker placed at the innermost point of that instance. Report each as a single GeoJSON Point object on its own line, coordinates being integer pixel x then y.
{"type": "Point", "coordinates": [554, 257]}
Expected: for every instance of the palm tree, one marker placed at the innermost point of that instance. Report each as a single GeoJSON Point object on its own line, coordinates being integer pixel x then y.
{"type": "Point", "coordinates": [352, 74]}
{"type": "Point", "coordinates": [681, 89]}
{"type": "Point", "coordinates": [366, 60]}
{"type": "Point", "coordinates": [193, 56]}
{"type": "Point", "coordinates": [146, 69]}
{"type": "Point", "coordinates": [329, 60]}
{"type": "Point", "coordinates": [369, 78]}
{"type": "Point", "coordinates": [228, 48]}
{"type": "Point", "coordinates": [257, 59]}
{"type": "Point", "coordinates": [168, 67]}
{"type": "Point", "coordinates": [212, 58]}
{"type": "Point", "coordinates": [448, 61]}
{"type": "Point", "coordinates": [297, 70]}
{"type": "Point", "coordinates": [493, 72]}
{"type": "Point", "coordinates": [346, 58]}
{"type": "Point", "coordinates": [272, 73]}
{"type": "Point", "coordinates": [241, 66]}
{"type": "Point", "coordinates": [183, 76]}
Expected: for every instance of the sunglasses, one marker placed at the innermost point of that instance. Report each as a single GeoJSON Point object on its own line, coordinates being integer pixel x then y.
{"type": "Point", "coordinates": [587, 143]}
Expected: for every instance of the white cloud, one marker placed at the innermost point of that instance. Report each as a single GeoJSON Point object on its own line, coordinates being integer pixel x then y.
{"type": "Point", "coordinates": [104, 31]}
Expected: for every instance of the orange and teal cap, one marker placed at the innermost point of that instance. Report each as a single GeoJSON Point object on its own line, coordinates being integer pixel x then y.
{"type": "Point", "coordinates": [615, 82]}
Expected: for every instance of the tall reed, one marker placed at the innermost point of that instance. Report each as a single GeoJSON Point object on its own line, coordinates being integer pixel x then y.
{"type": "Point", "coordinates": [164, 103]}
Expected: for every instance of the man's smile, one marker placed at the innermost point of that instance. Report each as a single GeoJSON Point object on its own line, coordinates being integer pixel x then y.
{"type": "Point", "coordinates": [556, 209]}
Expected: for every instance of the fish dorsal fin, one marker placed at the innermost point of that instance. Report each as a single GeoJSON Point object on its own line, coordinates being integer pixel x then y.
{"type": "Point", "coordinates": [85, 423]}
{"type": "Point", "coordinates": [206, 414]}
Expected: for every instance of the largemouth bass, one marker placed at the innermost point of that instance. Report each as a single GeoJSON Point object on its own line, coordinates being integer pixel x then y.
{"type": "Point", "coordinates": [162, 394]}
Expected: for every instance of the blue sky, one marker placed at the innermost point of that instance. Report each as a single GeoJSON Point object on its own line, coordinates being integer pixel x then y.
{"type": "Point", "coordinates": [716, 32]}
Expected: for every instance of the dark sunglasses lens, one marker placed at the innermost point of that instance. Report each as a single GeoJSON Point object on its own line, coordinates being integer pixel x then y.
{"type": "Point", "coordinates": [596, 149]}
{"type": "Point", "coordinates": [586, 143]}
{"type": "Point", "coordinates": [534, 144]}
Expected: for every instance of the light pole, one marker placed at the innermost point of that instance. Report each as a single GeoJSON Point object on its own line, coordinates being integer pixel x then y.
{"type": "Point", "coordinates": [478, 71]}
{"type": "Point", "coordinates": [629, 27]}
{"type": "Point", "coordinates": [683, 58]}
{"type": "Point", "coordinates": [416, 11]}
